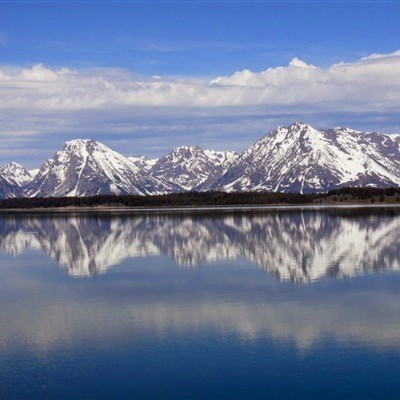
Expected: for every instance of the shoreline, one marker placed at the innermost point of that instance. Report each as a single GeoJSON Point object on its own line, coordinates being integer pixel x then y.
{"type": "Point", "coordinates": [249, 207]}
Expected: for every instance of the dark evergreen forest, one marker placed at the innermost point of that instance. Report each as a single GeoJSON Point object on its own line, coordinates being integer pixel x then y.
{"type": "Point", "coordinates": [192, 199]}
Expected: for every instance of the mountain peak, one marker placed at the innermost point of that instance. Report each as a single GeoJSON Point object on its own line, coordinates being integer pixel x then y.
{"type": "Point", "coordinates": [79, 143]}
{"type": "Point", "coordinates": [142, 163]}
{"type": "Point", "coordinates": [188, 166]}
{"type": "Point", "coordinates": [85, 167]}
{"type": "Point", "coordinates": [295, 131]}
{"type": "Point", "coordinates": [299, 131]}
{"type": "Point", "coordinates": [298, 125]}
{"type": "Point", "coordinates": [192, 148]}
{"type": "Point", "coordinates": [345, 129]}
{"type": "Point", "coordinates": [15, 174]}
{"type": "Point", "coordinates": [12, 166]}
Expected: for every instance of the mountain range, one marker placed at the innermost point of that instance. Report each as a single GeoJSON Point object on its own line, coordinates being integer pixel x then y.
{"type": "Point", "coordinates": [294, 158]}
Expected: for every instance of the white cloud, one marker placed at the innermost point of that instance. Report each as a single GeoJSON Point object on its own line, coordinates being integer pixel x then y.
{"type": "Point", "coordinates": [40, 73]}
{"type": "Point", "coordinates": [369, 84]}
{"type": "Point", "coordinates": [378, 55]}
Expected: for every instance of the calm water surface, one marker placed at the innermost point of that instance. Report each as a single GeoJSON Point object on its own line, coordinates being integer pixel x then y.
{"type": "Point", "coordinates": [244, 304]}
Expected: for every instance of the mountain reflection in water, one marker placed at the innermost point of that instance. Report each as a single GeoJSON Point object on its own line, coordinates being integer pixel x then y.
{"type": "Point", "coordinates": [145, 326]}
{"type": "Point", "coordinates": [300, 246]}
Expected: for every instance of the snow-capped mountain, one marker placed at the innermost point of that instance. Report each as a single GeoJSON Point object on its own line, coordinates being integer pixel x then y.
{"type": "Point", "coordinates": [87, 168]}
{"type": "Point", "coordinates": [187, 166]}
{"type": "Point", "coordinates": [15, 174]}
{"type": "Point", "coordinates": [14, 178]}
{"type": "Point", "coordinates": [225, 159]}
{"type": "Point", "coordinates": [299, 158]}
{"type": "Point", "coordinates": [193, 168]}
{"type": "Point", "coordinates": [143, 163]}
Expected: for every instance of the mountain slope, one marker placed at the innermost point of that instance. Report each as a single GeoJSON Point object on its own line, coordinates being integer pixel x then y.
{"type": "Point", "coordinates": [8, 190]}
{"type": "Point", "coordinates": [187, 166]}
{"type": "Point", "coordinates": [193, 168]}
{"type": "Point", "coordinates": [87, 168]}
{"type": "Point", "coordinates": [224, 159]}
{"type": "Point", "coordinates": [143, 163]}
{"type": "Point", "coordinates": [34, 172]}
{"type": "Point", "coordinates": [14, 178]}
{"type": "Point", "coordinates": [15, 174]}
{"type": "Point", "coordinates": [299, 158]}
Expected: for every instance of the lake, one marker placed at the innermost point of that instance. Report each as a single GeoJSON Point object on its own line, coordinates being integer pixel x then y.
{"type": "Point", "coordinates": [286, 303]}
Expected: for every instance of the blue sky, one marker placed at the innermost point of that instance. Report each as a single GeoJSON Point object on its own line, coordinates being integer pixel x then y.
{"type": "Point", "coordinates": [206, 38]}
{"type": "Point", "coordinates": [108, 47]}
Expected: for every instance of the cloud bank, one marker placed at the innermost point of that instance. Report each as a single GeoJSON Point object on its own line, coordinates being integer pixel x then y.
{"type": "Point", "coordinates": [369, 84]}
{"type": "Point", "coordinates": [40, 100]}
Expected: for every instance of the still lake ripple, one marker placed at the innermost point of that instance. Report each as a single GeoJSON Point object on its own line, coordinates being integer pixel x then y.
{"type": "Point", "coordinates": [238, 304]}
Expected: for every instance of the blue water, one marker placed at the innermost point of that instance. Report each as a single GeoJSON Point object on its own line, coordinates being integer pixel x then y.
{"type": "Point", "coordinates": [300, 304]}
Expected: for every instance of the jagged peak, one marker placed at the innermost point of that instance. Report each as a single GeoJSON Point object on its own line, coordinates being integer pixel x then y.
{"type": "Point", "coordinates": [221, 157]}
{"type": "Point", "coordinates": [83, 146]}
{"type": "Point", "coordinates": [188, 147]}
{"type": "Point", "coordinates": [12, 164]}
{"type": "Point", "coordinates": [298, 125]}
{"type": "Point", "coordinates": [186, 151]}
{"type": "Point", "coordinates": [292, 130]}
{"type": "Point", "coordinates": [345, 129]}
{"type": "Point", "coordinates": [221, 151]}
{"type": "Point", "coordinates": [15, 174]}
{"type": "Point", "coordinates": [79, 142]}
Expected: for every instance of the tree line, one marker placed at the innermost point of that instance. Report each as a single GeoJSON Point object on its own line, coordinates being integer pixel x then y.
{"type": "Point", "coordinates": [192, 199]}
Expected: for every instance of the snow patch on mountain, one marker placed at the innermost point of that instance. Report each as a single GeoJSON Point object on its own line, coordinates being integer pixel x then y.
{"type": "Point", "coordinates": [143, 163]}
{"type": "Point", "coordinates": [34, 172]}
{"type": "Point", "coordinates": [187, 166]}
{"type": "Point", "coordinates": [193, 168]}
{"type": "Point", "coordinates": [225, 159]}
